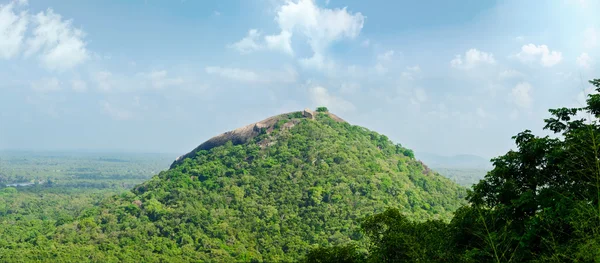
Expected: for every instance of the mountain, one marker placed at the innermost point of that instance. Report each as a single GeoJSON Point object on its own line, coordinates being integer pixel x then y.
{"type": "Point", "coordinates": [266, 192]}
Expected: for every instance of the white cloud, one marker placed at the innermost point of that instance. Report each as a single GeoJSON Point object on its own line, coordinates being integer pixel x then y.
{"type": "Point", "coordinates": [115, 112]}
{"type": "Point", "coordinates": [473, 58]}
{"type": "Point", "coordinates": [520, 38]}
{"type": "Point", "coordinates": [320, 26]}
{"type": "Point", "coordinates": [510, 74]}
{"type": "Point", "coordinates": [249, 43]}
{"type": "Point", "coordinates": [12, 30]}
{"type": "Point", "coordinates": [521, 95]}
{"type": "Point", "coordinates": [78, 85]}
{"type": "Point", "coordinates": [319, 62]}
{"type": "Point", "coordinates": [591, 38]}
{"type": "Point", "coordinates": [61, 46]}
{"type": "Point", "coordinates": [321, 97]}
{"type": "Point", "coordinates": [281, 42]}
{"type": "Point", "coordinates": [530, 53]}
{"type": "Point", "coordinates": [46, 85]}
{"type": "Point", "coordinates": [584, 61]}
{"type": "Point", "coordinates": [159, 79]}
{"type": "Point", "coordinates": [288, 75]}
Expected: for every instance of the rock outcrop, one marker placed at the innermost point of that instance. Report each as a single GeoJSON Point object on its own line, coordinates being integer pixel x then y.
{"type": "Point", "coordinates": [245, 134]}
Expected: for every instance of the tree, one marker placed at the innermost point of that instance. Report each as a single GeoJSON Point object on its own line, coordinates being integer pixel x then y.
{"type": "Point", "coordinates": [540, 202]}
{"type": "Point", "coordinates": [322, 109]}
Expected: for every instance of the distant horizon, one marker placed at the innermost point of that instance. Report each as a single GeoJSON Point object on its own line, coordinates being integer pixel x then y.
{"type": "Point", "coordinates": [91, 151]}
{"type": "Point", "coordinates": [125, 151]}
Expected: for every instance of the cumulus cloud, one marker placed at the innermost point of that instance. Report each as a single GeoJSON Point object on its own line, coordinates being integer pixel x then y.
{"type": "Point", "coordinates": [281, 42]}
{"type": "Point", "coordinates": [12, 30]}
{"type": "Point", "coordinates": [288, 75]}
{"type": "Point", "coordinates": [521, 95]}
{"type": "Point", "coordinates": [59, 44]}
{"type": "Point", "coordinates": [46, 85]}
{"type": "Point", "coordinates": [320, 96]}
{"type": "Point", "coordinates": [472, 58]}
{"type": "Point", "coordinates": [584, 61]}
{"type": "Point", "coordinates": [321, 27]}
{"type": "Point", "coordinates": [532, 53]}
{"type": "Point", "coordinates": [249, 43]}
{"type": "Point", "coordinates": [318, 62]}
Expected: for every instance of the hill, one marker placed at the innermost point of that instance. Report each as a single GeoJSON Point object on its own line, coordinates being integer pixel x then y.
{"type": "Point", "coordinates": [267, 192]}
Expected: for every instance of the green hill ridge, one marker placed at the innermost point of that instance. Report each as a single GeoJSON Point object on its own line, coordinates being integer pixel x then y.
{"type": "Point", "coordinates": [267, 192]}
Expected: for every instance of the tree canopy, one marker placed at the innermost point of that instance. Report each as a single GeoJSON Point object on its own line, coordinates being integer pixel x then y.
{"type": "Point", "coordinates": [540, 203]}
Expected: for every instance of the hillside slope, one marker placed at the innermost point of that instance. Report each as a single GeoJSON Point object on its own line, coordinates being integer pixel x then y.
{"type": "Point", "coordinates": [296, 182]}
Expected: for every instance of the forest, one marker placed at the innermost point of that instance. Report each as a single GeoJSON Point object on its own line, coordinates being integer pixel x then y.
{"type": "Point", "coordinates": [307, 190]}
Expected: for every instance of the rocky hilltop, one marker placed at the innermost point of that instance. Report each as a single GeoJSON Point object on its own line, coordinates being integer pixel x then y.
{"type": "Point", "coordinates": [245, 134]}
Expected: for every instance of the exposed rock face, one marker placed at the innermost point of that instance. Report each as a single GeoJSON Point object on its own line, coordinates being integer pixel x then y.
{"type": "Point", "coordinates": [308, 114]}
{"type": "Point", "coordinates": [245, 134]}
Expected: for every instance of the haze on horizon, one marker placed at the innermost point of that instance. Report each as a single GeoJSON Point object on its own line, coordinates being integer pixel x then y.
{"type": "Point", "coordinates": [158, 76]}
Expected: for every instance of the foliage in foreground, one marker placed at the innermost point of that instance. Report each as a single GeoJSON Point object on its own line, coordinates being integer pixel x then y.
{"type": "Point", "coordinates": [540, 203]}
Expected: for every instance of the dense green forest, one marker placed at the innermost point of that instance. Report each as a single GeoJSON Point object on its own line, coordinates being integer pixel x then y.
{"type": "Point", "coordinates": [540, 203]}
{"type": "Point", "coordinates": [80, 169]}
{"type": "Point", "coordinates": [299, 184]}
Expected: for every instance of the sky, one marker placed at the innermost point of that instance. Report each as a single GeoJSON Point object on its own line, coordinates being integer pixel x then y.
{"type": "Point", "coordinates": [445, 77]}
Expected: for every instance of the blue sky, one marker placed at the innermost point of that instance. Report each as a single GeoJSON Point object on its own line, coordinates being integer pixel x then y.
{"type": "Point", "coordinates": [164, 76]}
